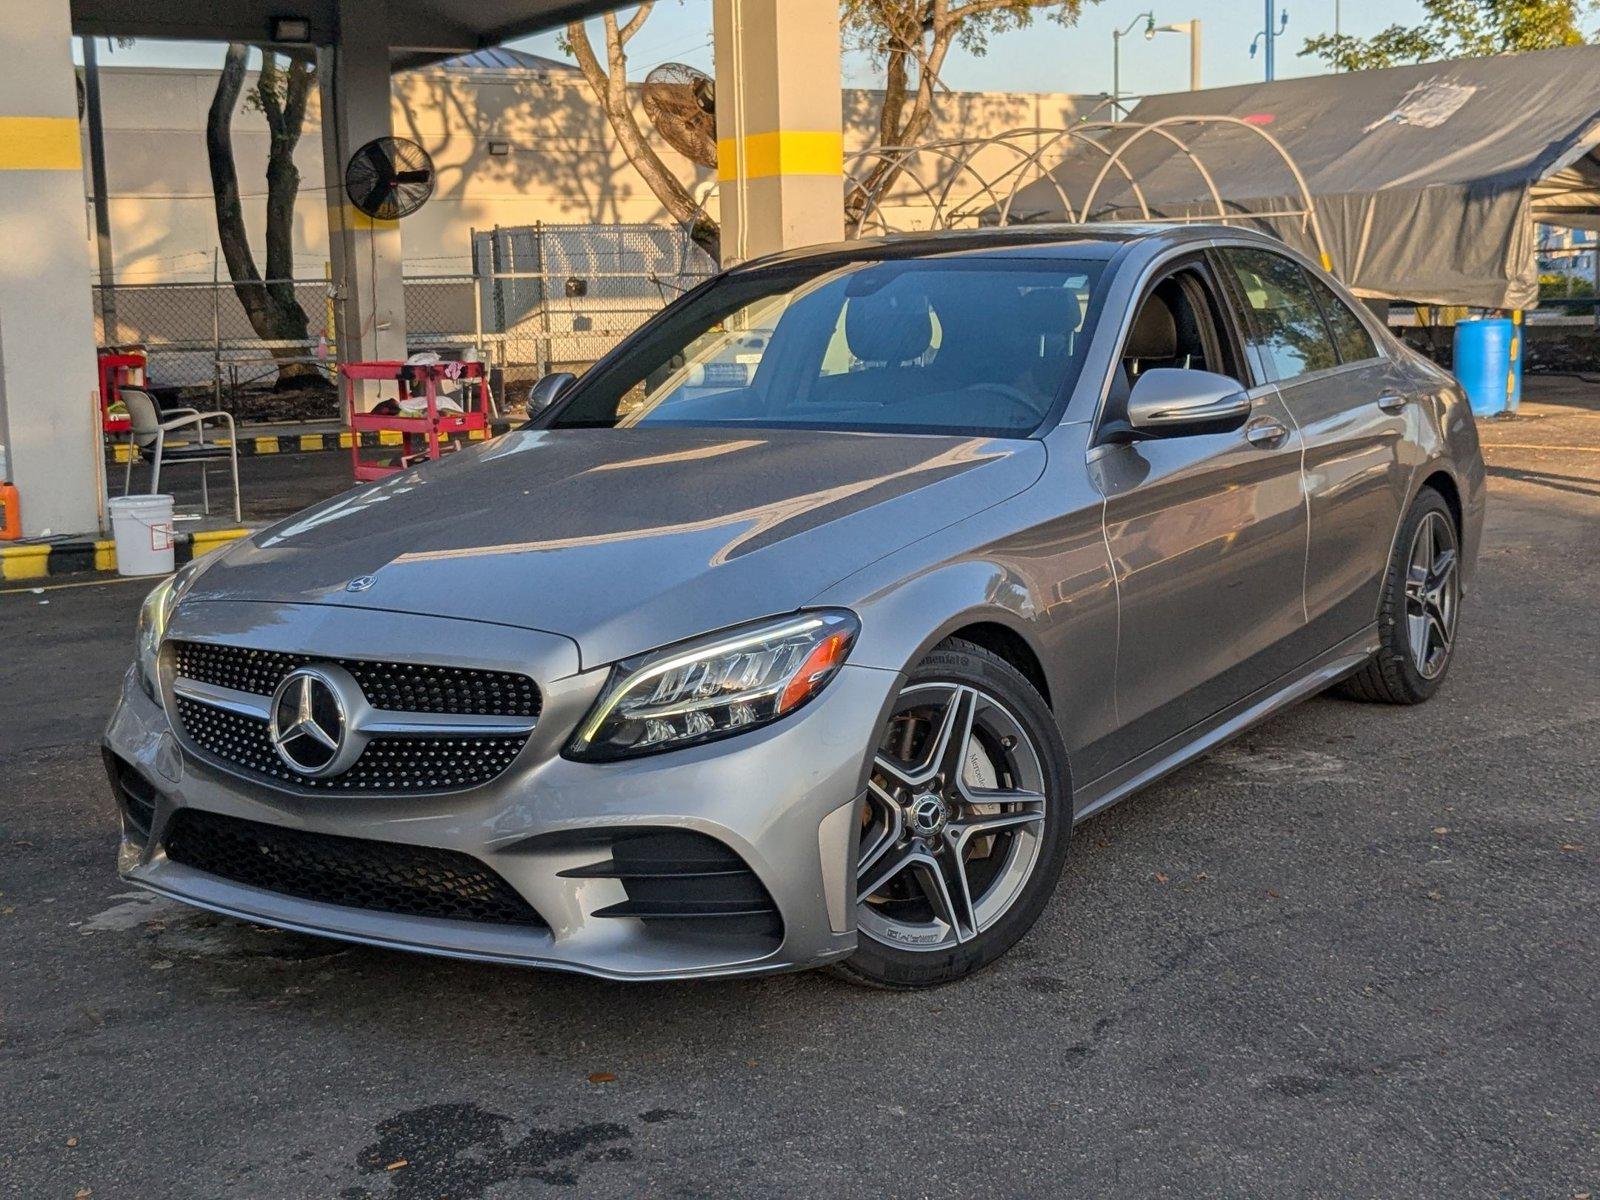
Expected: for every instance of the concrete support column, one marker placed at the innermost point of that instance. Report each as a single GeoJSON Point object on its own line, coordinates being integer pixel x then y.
{"type": "Point", "coordinates": [369, 299]}
{"type": "Point", "coordinates": [780, 152]}
{"type": "Point", "coordinates": [49, 422]}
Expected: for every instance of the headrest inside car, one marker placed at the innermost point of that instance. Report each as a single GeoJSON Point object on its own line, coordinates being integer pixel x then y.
{"type": "Point", "coordinates": [891, 325]}
{"type": "Point", "coordinates": [1155, 332]}
{"type": "Point", "coordinates": [1052, 311]}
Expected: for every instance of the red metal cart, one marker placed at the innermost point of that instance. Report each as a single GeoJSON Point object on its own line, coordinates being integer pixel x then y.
{"type": "Point", "coordinates": [427, 433]}
{"type": "Point", "coordinates": [117, 369]}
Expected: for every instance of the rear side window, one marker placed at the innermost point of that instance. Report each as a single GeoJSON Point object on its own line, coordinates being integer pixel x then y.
{"type": "Point", "coordinates": [1284, 322]}
{"type": "Point", "coordinates": [1349, 334]}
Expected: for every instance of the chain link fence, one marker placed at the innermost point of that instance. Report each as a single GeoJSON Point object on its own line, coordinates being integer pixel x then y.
{"type": "Point", "coordinates": [541, 298]}
{"type": "Point", "coordinates": [560, 296]}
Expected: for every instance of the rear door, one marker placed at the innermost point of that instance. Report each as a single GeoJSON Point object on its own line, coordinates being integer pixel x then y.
{"type": "Point", "coordinates": [1349, 403]}
{"type": "Point", "coordinates": [1206, 531]}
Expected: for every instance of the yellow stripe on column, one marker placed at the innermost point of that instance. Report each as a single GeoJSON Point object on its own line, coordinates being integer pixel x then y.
{"type": "Point", "coordinates": [39, 144]}
{"type": "Point", "coordinates": [783, 152]}
{"type": "Point", "coordinates": [356, 219]}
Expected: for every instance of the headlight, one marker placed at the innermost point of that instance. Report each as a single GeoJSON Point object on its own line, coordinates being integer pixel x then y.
{"type": "Point", "coordinates": [153, 614]}
{"type": "Point", "coordinates": [716, 686]}
{"type": "Point", "coordinates": [153, 617]}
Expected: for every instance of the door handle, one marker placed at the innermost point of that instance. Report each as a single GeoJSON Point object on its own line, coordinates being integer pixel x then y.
{"type": "Point", "coordinates": [1392, 403]}
{"type": "Point", "coordinates": [1265, 432]}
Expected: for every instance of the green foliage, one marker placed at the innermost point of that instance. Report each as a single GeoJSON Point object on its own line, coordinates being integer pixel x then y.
{"type": "Point", "coordinates": [1457, 29]}
{"type": "Point", "coordinates": [877, 26]}
{"type": "Point", "coordinates": [1554, 285]}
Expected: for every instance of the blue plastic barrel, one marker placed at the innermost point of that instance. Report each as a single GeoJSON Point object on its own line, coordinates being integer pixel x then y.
{"type": "Point", "coordinates": [1488, 363]}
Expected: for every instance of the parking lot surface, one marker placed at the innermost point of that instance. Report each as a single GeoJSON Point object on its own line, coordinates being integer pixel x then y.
{"type": "Point", "coordinates": [1355, 953]}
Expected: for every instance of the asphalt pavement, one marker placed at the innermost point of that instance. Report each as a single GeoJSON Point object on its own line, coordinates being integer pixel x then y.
{"type": "Point", "coordinates": [1355, 953]}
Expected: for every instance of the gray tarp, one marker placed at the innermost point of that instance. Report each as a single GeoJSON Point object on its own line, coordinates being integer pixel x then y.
{"type": "Point", "coordinates": [1426, 179]}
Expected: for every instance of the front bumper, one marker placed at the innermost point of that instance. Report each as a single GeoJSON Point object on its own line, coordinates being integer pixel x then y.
{"type": "Point", "coordinates": [783, 799]}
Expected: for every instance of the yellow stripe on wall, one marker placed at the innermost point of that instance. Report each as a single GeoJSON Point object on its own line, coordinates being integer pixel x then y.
{"type": "Point", "coordinates": [783, 152]}
{"type": "Point", "coordinates": [39, 144]}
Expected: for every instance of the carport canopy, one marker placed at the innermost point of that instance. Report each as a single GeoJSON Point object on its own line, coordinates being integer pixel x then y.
{"type": "Point", "coordinates": [420, 30]}
{"type": "Point", "coordinates": [1426, 180]}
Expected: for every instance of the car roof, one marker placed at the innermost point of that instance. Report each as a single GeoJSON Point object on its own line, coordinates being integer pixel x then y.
{"type": "Point", "coordinates": [1098, 240]}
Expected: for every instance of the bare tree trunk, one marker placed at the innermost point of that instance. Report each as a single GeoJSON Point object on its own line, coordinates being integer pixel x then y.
{"type": "Point", "coordinates": [920, 30]}
{"type": "Point", "coordinates": [609, 84]}
{"type": "Point", "coordinates": [270, 305]}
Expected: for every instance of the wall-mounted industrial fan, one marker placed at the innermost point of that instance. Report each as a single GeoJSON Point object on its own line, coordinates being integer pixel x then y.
{"type": "Point", "coordinates": [681, 104]}
{"type": "Point", "coordinates": [389, 178]}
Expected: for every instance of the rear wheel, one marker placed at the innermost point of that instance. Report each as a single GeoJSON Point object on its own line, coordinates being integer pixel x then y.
{"type": "Point", "coordinates": [965, 826]}
{"type": "Point", "coordinates": [1418, 615]}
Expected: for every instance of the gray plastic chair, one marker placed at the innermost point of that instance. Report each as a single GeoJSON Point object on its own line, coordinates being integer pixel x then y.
{"type": "Point", "coordinates": [147, 438]}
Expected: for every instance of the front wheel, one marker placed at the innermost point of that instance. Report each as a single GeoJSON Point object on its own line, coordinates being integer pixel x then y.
{"type": "Point", "coordinates": [1420, 605]}
{"type": "Point", "coordinates": [965, 826]}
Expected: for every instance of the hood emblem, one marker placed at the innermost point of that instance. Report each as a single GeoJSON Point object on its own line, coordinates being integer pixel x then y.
{"type": "Point", "coordinates": [361, 583]}
{"type": "Point", "coordinates": [309, 725]}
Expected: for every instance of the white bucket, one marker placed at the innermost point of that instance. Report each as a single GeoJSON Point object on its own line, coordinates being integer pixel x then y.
{"type": "Point", "coordinates": [142, 527]}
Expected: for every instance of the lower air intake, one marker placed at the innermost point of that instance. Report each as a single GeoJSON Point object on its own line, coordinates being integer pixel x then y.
{"type": "Point", "coordinates": [687, 880]}
{"type": "Point", "coordinates": [412, 881]}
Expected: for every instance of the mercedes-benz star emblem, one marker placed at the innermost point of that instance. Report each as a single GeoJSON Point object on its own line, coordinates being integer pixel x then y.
{"type": "Point", "coordinates": [309, 722]}
{"type": "Point", "coordinates": [361, 583]}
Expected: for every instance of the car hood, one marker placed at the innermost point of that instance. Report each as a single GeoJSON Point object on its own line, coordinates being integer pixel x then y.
{"type": "Point", "coordinates": [624, 539]}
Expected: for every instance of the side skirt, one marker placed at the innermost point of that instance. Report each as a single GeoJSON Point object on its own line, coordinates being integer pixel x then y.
{"type": "Point", "coordinates": [1320, 673]}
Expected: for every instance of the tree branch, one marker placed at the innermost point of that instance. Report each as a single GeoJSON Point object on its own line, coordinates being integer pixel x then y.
{"type": "Point", "coordinates": [610, 86]}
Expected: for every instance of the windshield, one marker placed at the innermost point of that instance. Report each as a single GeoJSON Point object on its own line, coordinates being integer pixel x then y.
{"type": "Point", "coordinates": [964, 346]}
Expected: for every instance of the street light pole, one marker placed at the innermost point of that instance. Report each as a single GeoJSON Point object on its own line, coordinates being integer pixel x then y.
{"type": "Point", "coordinates": [1116, 57]}
{"type": "Point", "coordinates": [1192, 28]}
{"type": "Point", "coordinates": [1270, 35]}
{"type": "Point", "coordinates": [1272, 40]}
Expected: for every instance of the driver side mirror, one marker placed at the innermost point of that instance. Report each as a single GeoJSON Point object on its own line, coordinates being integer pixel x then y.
{"type": "Point", "coordinates": [1168, 402]}
{"type": "Point", "coordinates": [548, 390]}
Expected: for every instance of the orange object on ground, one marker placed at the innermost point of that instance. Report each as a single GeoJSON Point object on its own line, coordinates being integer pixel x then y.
{"type": "Point", "coordinates": [10, 513]}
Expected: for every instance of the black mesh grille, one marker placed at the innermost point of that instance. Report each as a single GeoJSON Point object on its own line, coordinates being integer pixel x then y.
{"type": "Point", "coordinates": [388, 764]}
{"type": "Point", "coordinates": [414, 881]}
{"type": "Point", "coordinates": [400, 687]}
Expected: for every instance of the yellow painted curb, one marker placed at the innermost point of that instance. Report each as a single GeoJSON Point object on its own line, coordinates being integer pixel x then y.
{"type": "Point", "coordinates": [207, 540]}
{"type": "Point", "coordinates": [24, 562]}
{"type": "Point", "coordinates": [105, 555]}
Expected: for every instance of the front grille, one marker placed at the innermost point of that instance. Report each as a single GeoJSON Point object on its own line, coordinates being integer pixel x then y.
{"type": "Point", "coordinates": [679, 877]}
{"type": "Point", "coordinates": [428, 760]}
{"type": "Point", "coordinates": [388, 764]}
{"type": "Point", "coordinates": [413, 881]}
{"type": "Point", "coordinates": [399, 687]}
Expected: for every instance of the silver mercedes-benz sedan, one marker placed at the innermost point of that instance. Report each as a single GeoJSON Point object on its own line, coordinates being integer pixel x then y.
{"type": "Point", "coordinates": [804, 627]}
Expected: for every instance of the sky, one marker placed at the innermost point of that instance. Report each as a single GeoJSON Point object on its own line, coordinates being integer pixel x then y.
{"type": "Point", "coordinates": [1045, 58]}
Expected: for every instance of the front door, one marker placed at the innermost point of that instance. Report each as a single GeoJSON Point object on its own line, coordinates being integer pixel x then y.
{"type": "Point", "coordinates": [1350, 403]}
{"type": "Point", "coordinates": [1206, 532]}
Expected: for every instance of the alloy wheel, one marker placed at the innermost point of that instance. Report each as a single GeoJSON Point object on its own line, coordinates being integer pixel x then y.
{"type": "Point", "coordinates": [953, 821]}
{"type": "Point", "coordinates": [1432, 593]}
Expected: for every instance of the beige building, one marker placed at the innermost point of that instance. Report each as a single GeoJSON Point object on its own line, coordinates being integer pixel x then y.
{"type": "Point", "coordinates": [515, 139]}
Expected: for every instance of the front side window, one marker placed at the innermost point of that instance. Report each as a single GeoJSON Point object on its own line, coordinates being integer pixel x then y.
{"type": "Point", "coordinates": [918, 345]}
{"type": "Point", "coordinates": [1284, 324]}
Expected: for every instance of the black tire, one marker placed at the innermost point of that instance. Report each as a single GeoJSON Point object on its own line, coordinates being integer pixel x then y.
{"type": "Point", "coordinates": [876, 964]}
{"type": "Point", "coordinates": [1392, 676]}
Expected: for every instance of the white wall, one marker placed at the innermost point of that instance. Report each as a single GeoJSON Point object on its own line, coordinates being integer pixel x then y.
{"type": "Point", "coordinates": [563, 165]}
